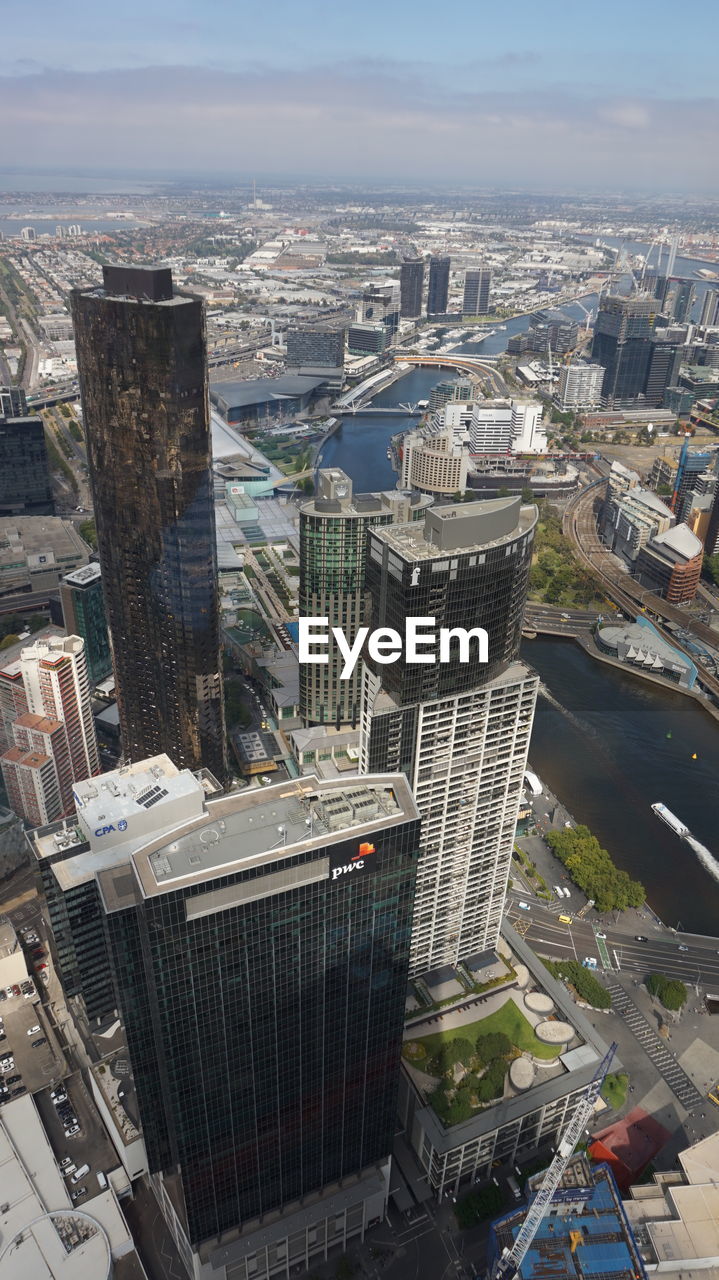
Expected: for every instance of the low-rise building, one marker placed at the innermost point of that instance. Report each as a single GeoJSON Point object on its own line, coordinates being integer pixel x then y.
{"type": "Point", "coordinates": [671, 564]}
{"type": "Point", "coordinates": [639, 645]}
{"type": "Point", "coordinates": [537, 1101]}
{"type": "Point", "coordinates": [675, 1217]}
{"type": "Point", "coordinates": [36, 552]}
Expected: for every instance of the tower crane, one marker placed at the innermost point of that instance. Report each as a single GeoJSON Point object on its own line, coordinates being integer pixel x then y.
{"type": "Point", "coordinates": [506, 1267]}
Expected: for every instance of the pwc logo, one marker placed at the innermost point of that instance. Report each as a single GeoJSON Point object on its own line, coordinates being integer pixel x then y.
{"type": "Point", "coordinates": [351, 859]}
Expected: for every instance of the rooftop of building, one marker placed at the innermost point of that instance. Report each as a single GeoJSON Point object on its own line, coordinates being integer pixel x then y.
{"type": "Point", "coordinates": [84, 576]}
{"type": "Point", "coordinates": [43, 1234]}
{"type": "Point", "coordinates": [28, 759]}
{"type": "Point", "coordinates": [647, 499]}
{"type": "Point", "coordinates": [42, 724]}
{"type": "Point", "coordinates": [586, 1234]}
{"type": "Point", "coordinates": [469, 526]}
{"type": "Point", "coordinates": [643, 644]}
{"type": "Point", "coordinates": [51, 537]}
{"type": "Point", "coordinates": [680, 542]}
{"type": "Point", "coordinates": [335, 495]}
{"type": "Point", "coordinates": [564, 1057]}
{"type": "Point", "coordinates": [10, 657]}
{"type": "Point", "coordinates": [238, 395]}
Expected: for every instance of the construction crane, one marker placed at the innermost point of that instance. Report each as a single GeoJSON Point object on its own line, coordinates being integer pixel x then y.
{"type": "Point", "coordinates": [506, 1267]}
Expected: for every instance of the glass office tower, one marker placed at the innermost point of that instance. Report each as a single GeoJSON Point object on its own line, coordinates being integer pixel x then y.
{"type": "Point", "coordinates": [143, 379]}
{"type": "Point", "coordinates": [438, 286]}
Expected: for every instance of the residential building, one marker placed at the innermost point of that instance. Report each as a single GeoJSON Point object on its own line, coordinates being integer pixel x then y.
{"type": "Point", "coordinates": [710, 310]}
{"type": "Point", "coordinates": [249, 922]}
{"type": "Point", "coordinates": [35, 552]}
{"type": "Point", "coordinates": [703, 485]}
{"type": "Point", "coordinates": [333, 546]}
{"type": "Point", "coordinates": [54, 673]}
{"type": "Point", "coordinates": [366, 339]}
{"type": "Point", "coordinates": [477, 286]}
{"type": "Point", "coordinates": [438, 286]}
{"type": "Point", "coordinates": [622, 345]}
{"type": "Point", "coordinates": [411, 280]}
{"type": "Point", "coordinates": [678, 299]}
{"type": "Point", "coordinates": [548, 331]}
{"type": "Point", "coordinates": [671, 564]}
{"type": "Point", "coordinates": [13, 696]}
{"type": "Point", "coordinates": [580, 386]}
{"type": "Point", "coordinates": [458, 730]}
{"type": "Point", "coordinates": [25, 488]}
{"type": "Point", "coordinates": [434, 461]}
{"type": "Point", "coordinates": [28, 233]}
{"type": "Point", "coordinates": [631, 518]}
{"type": "Point", "coordinates": [37, 770]}
{"type": "Point", "coordinates": [142, 365]}
{"type": "Point", "coordinates": [585, 1233]}
{"type": "Point", "coordinates": [13, 402]}
{"type": "Point", "coordinates": [312, 352]}
{"type": "Point", "coordinates": [83, 612]}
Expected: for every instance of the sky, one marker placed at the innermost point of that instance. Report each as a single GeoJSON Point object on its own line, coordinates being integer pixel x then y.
{"type": "Point", "coordinates": [552, 95]}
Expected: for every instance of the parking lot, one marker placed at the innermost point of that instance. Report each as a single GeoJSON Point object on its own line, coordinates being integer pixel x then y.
{"type": "Point", "coordinates": [91, 1145]}
{"type": "Point", "coordinates": [24, 1023]}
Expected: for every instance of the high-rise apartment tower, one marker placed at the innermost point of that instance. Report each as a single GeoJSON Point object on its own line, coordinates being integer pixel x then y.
{"type": "Point", "coordinates": [333, 546]}
{"type": "Point", "coordinates": [477, 284]}
{"type": "Point", "coordinates": [438, 286]}
{"type": "Point", "coordinates": [411, 280]}
{"type": "Point", "coordinates": [143, 378]}
{"type": "Point", "coordinates": [459, 730]}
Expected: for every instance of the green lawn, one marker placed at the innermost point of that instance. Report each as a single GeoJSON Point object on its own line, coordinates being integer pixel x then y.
{"type": "Point", "coordinates": [614, 1089]}
{"type": "Point", "coordinates": [508, 1019]}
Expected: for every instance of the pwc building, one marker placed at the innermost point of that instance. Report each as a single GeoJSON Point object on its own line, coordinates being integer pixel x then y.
{"type": "Point", "coordinates": [458, 730]}
{"type": "Point", "coordinates": [259, 945]}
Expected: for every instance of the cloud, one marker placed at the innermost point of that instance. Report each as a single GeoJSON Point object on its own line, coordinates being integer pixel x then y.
{"type": "Point", "coordinates": [358, 120]}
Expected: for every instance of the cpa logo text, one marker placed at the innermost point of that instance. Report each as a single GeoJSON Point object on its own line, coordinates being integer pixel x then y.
{"type": "Point", "coordinates": [105, 831]}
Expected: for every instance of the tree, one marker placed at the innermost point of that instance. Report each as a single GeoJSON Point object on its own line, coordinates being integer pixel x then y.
{"type": "Point", "coordinates": [527, 493]}
{"type": "Point", "coordinates": [36, 623]}
{"type": "Point", "coordinates": [493, 1045]}
{"type": "Point", "coordinates": [8, 640]}
{"type": "Point", "coordinates": [503, 492]}
{"type": "Point", "coordinates": [670, 991]}
{"type": "Point", "coordinates": [451, 1052]}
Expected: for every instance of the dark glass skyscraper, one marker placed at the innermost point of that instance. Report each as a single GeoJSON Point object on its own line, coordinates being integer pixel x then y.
{"type": "Point", "coordinates": [477, 284]}
{"type": "Point", "coordinates": [411, 280]}
{"type": "Point", "coordinates": [438, 286]}
{"type": "Point", "coordinates": [24, 473]}
{"type": "Point", "coordinates": [622, 345]}
{"type": "Point", "coordinates": [83, 613]}
{"type": "Point", "coordinates": [143, 379]}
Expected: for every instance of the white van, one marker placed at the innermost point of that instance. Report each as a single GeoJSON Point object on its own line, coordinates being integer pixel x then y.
{"type": "Point", "coordinates": [70, 1168]}
{"type": "Point", "coordinates": [101, 1181]}
{"type": "Point", "coordinates": [558, 891]}
{"type": "Point", "coordinates": [80, 1173]}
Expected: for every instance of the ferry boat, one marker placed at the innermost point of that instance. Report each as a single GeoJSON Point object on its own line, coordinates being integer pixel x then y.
{"type": "Point", "coordinates": [671, 820]}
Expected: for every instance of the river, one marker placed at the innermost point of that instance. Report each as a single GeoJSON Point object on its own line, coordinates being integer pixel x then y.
{"type": "Point", "coordinates": [607, 755]}
{"type": "Point", "coordinates": [359, 446]}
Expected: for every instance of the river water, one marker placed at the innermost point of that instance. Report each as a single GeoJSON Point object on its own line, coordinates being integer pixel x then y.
{"type": "Point", "coordinates": [606, 753]}
{"type": "Point", "coordinates": [608, 757]}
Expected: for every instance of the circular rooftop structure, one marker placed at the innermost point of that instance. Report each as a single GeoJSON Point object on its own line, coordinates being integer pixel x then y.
{"type": "Point", "coordinates": [521, 973]}
{"type": "Point", "coordinates": [538, 1002]}
{"type": "Point", "coordinates": [554, 1032]}
{"type": "Point", "coordinates": [66, 1243]}
{"type": "Point", "coordinates": [521, 1074]}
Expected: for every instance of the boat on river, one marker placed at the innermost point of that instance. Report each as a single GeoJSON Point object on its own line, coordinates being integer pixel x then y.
{"type": "Point", "coordinates": [666, 815]}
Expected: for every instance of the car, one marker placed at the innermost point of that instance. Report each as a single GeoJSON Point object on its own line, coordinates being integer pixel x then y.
{"type": "Point", "coordinates": [600, 935]}
{"type": "Point", "coordinates": [639, 937]}
{"type": "Point", "coordinates": [66, 1160]}
{"type": "Point", "coordinates": [8, 992]}
{"type": "Point", "coordinates": [70, 1133]}
{"type": "Point", "coordinates": [524, 906]}
{"type": "Point", "coordinates": [36, 1043]}
{"type": "Point", "coordinates": [81, 1191]}
{"type": "Point", "coordinates": [3, 994]}
{"type": "Point", "coordinates": [16, 990]}
{"type": "Point", "coordinates": [2, 1036]}
{"type": "Point", "coordinates": [14, 1079]}
{"type": "Point", "coordinates": [58, 1098]}
{"type": "Point", "coordinates": [21, 1088]}
{"type": "Point", "coordinates": [682, 947]}
{"type": "Point", "coordinates": [38, 953]}
{"type": "Point", "coordinates": [32, 1030]}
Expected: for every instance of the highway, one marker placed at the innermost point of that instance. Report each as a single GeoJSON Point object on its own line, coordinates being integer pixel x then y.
{"type": "Point", "coordinates": [552, 620]}
{"type": "Point", "coordinates": [547, 935]}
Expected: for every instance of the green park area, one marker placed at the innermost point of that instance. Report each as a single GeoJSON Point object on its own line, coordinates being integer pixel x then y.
{"type": "Point", "coordinates": [593, 871]}
{"type": "Point", "coordinates": [555, 576]}
{"type": "Point", "coordinates": [470, 1062]}
{"type": "Point", "coordinates": [614, 1089]}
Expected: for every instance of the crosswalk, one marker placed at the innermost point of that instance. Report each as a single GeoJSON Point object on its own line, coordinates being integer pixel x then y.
{"type": "Point", "coordinates": [664, 1061]}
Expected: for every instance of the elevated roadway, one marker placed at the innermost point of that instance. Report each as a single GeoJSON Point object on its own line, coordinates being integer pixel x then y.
{"type": "Point", "coordinates": [482, 367]}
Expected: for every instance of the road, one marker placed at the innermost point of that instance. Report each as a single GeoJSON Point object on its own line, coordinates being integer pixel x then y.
{"type": "Point", "coordinates": [659, 954]}
{"type": "Point", "coordinates": [556, 621]}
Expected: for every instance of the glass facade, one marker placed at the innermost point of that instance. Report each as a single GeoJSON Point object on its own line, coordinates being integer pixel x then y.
{"type": "Point", "coordinates": [265, 1036]}
{"type": "Point", "coordinates": [622, 345]}
{"type": "Point", "coordinates": [24, 474]}
{"type": "Point", "coordinates": [143, 378]}
{"type": "Point", "coordinates": [83, 611]}
{"type": "Point", "coordinates": [438, 286]}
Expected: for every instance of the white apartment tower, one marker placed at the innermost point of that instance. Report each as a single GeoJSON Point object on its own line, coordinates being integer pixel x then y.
{"type": "Point", "coordinates": [459, 731]}
{"type": "Point", "coordinates": [54, 675]}
{"type": "Point", "coordinates": [580, 386]}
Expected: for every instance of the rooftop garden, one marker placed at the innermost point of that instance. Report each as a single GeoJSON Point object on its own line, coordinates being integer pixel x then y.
{"type": "Point", "coordinates": [470, 1062]}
